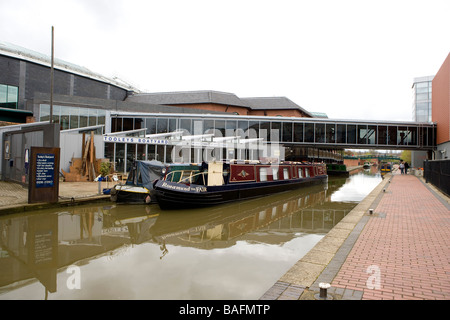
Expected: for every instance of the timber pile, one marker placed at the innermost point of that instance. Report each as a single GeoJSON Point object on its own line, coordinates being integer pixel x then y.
{"type": "Point", "coordinates": [86, 168]}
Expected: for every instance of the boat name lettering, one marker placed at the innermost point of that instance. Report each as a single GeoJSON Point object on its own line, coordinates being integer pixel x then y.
{"type": "Point", "coordinates": [181, 188]}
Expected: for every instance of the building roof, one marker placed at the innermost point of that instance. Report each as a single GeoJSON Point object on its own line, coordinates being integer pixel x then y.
{"type": "Point", "coordinates": [273, 103]}
{"type": "Point", "coordinates": [21, 53]}
{"type": "Point", "coordinates": [188, 97]}
{"type": "Point", "coordinates": [224, 98]}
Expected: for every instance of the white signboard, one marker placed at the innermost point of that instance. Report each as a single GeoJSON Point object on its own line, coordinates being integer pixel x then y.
{"type": "Point", "coordinates": [135, 140]}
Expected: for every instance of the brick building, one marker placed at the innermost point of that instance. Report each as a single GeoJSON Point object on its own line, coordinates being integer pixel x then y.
{"type": "Point", "coordinates": [441, 109]}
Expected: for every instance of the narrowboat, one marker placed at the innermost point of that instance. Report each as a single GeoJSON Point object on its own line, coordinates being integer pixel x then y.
{"type": "Point", "coordinates": [139, 185]}
{"type": "Point", "coordinates": [385, 167]}
{"type": "Point", "coordinates": [336, 169]}
{"type": "Point", "coordinates": [222, 182]}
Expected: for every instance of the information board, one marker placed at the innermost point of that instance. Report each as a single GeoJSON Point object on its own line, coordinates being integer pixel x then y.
{"type": "Point", "coordinates": [43, 175]}
{"type": "Point", "coordinates": [45, 168]}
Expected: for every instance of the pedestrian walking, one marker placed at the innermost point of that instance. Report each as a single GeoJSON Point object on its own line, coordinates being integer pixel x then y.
{"type": "Point", "coordinates": [406, 167]}
{"type": "Point", "coordinates": [402, 167]}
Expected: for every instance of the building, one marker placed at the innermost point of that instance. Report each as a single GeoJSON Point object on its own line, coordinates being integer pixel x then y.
{"type": "Point", "coordinates": [129, 124]}
{"type": "Point", "coordinates": [84, 101]}
{"type": "Point", "coordinates": [421, 112]}
{"type": "Point", "coordinates": [441, 109]}
{"type": "Point", "coordinates": [422, 98]}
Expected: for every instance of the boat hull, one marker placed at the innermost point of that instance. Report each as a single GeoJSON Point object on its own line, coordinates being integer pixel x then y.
{"type": "Point", "coordinates": [171, 196]}
{"type": "Point", "coordinates": [132, 194]}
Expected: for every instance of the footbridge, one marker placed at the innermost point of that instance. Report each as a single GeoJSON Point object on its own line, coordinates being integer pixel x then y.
{"type": "Point", "coordinates": [289, 131]}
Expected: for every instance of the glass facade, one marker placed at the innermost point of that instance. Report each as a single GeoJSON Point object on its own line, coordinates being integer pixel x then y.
{"type": "Point", "coordinates": [9, 96]}
{"type": "Point", "coordinates": [73, 117]}
{"type": "Point", "coordinates": [303, 139]}
{"type": "Point", "coordinates": [422, 92]}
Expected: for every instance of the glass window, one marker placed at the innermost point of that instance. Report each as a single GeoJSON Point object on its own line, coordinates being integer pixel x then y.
{"type": "Point", "coordinates": [320, 132]}
{"type": "Point", "coordinates": [185, 124]}
{"type": "Point", "coordinates": [13, 96]}
{"type": "Point", "coordinates": [101, 117]}
{"type": "Point", "coordinates": [285, 173]}
{"type": "Point", "coordinates": [371, 134]}
{"type": "Point", "coordinates": [287, 131]}
{"type": "Point", "coordinates": [197, 127]}
{"type": "Point", "coordinates": [128, 124]}
{"type": "Point", "coordinates": [264, 130]}
{"type": "Point", "coordinates": [382, 135]}
{"type": "Point", "coordinates": [275, 173]}
{"type": "Point", "coordinates": [298, 132]}
{"type": "Point", "coordinates": [44, 112]}
{"type": "Point", "coordinates": [141, 151]}
{"type": "Point", "coordinates": [392, 135]}
{"type": "Point", "coordinates": [230, 129]}
{"type": "Point", "coordinates": [330, 132]}
{"type": "Point", "coordinates": [208, 126]}
{"type": "Point", "coordinates": [341, 133]}
{"type": "Point", "coordinates": [160, 153]}
{"type": "Point", "coordinates": [131, 155]}
{"type": "Point", "coordinates": [275, 132]}
{"type": "Point", "coordinates": [92, 117]}
{"type": "Point", "coordinates": [253, 129]}
{"type": "Point", "coordinates": [138, 123]}
{"type": "Point", "coordinates": [309, 132]}
{"type": "Point", "coordinates": [262, 174]}
{"type": "Point", "coordinates": [9, 96]}
{"type": "Point", "coordinates": [422, 96]}
{"type": "Point", "coordinates": [109, 153]}
{"type": "Point", "coordinates": [162, 126]}
{"type": "Point", "coordinates": [150, 124]}
{"type": "Point", "coordinates": [403, 136]}
{"type": "Point", "coordinates": [220, 128]}
{"type": "Point", "coordinates": [362, 134]}
{"type": "Point", "coordinates": [56, 114]}
{"type": "Point", "coordinates": [120, 156]}
{"type": "Point", "coordinates": [306, 172]}
{"type": "Point", "coordinates": [300, 172]}
{"type": "Point", "coordinates": [351, 133]}
{"type": "Point", "coordinates": [84, 120]}
{"type": "Point", "coordinates": [413, 135]}
{"type": "Point", "coordinates": [242, 129]}
{"type": "Point", "coordinates": [172, 125]}
{"type": "Point", "coordinates": [3, 94]}
{"type": "Point", "coordinates": [65, 115]}
{"type": "Point", "coordinates": [74, 117]}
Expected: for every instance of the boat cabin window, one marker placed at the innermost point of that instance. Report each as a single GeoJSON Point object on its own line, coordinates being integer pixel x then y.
{"type": "Point", "coordinates": [275, 173]}
{"type": "Point", "coordinates": [262, 174]}
{"type": "Point", "coordinates": [300, 172]}
{"type": "Point", "coordinates": [286, 173]}
{"type": "Point", "coordinates": [306, 172]}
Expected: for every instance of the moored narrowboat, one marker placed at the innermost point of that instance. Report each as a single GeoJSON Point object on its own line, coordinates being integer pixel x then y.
{"type": "Point", "coordinates": [139, 185]}
{"type": "Point", "coordinates": [222, 182]}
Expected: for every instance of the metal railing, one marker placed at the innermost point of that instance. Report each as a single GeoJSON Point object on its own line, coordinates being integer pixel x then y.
{"type": "Point", "coordinates": [437, 172]}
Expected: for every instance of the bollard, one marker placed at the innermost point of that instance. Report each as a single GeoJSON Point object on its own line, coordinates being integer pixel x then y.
{"type": "Point", "coordinates": [323, 290]}
{"type": "Point", "coordinates": [370, 211]}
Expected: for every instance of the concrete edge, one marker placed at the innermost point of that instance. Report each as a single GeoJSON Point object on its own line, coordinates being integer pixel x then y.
{"type": "Point", "coordinates": [26, 207]}
{"type": "Point", "coordinates": [306, 271]}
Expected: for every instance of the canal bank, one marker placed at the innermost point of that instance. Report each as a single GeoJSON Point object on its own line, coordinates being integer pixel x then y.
{"type": "Point", "coordinates": [399, 251]}
{"type": "Point", "coordinates": [14, 197]}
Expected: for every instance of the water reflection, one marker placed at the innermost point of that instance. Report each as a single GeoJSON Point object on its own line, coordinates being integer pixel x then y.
{"type": "Point", "coordinates": [122, 239]}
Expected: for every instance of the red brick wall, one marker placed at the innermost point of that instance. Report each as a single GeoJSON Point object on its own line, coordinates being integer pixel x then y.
{"type": "Point", "coordinates": [441, 101]}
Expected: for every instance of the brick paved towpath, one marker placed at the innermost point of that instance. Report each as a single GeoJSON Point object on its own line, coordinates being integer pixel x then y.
{"type": "Point", "coordinates": [400, 252]}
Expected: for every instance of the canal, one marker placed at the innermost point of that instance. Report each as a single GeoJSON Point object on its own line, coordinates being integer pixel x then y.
{"type": "Point", "coordinates": [109, 251]}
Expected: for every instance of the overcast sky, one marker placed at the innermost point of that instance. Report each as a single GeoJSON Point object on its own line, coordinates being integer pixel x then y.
{"type": "Point", "coordinates": [352, 59]}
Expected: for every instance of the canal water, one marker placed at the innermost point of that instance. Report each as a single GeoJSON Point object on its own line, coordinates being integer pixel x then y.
{"type": "Point", "coordinates": [109, 251]}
